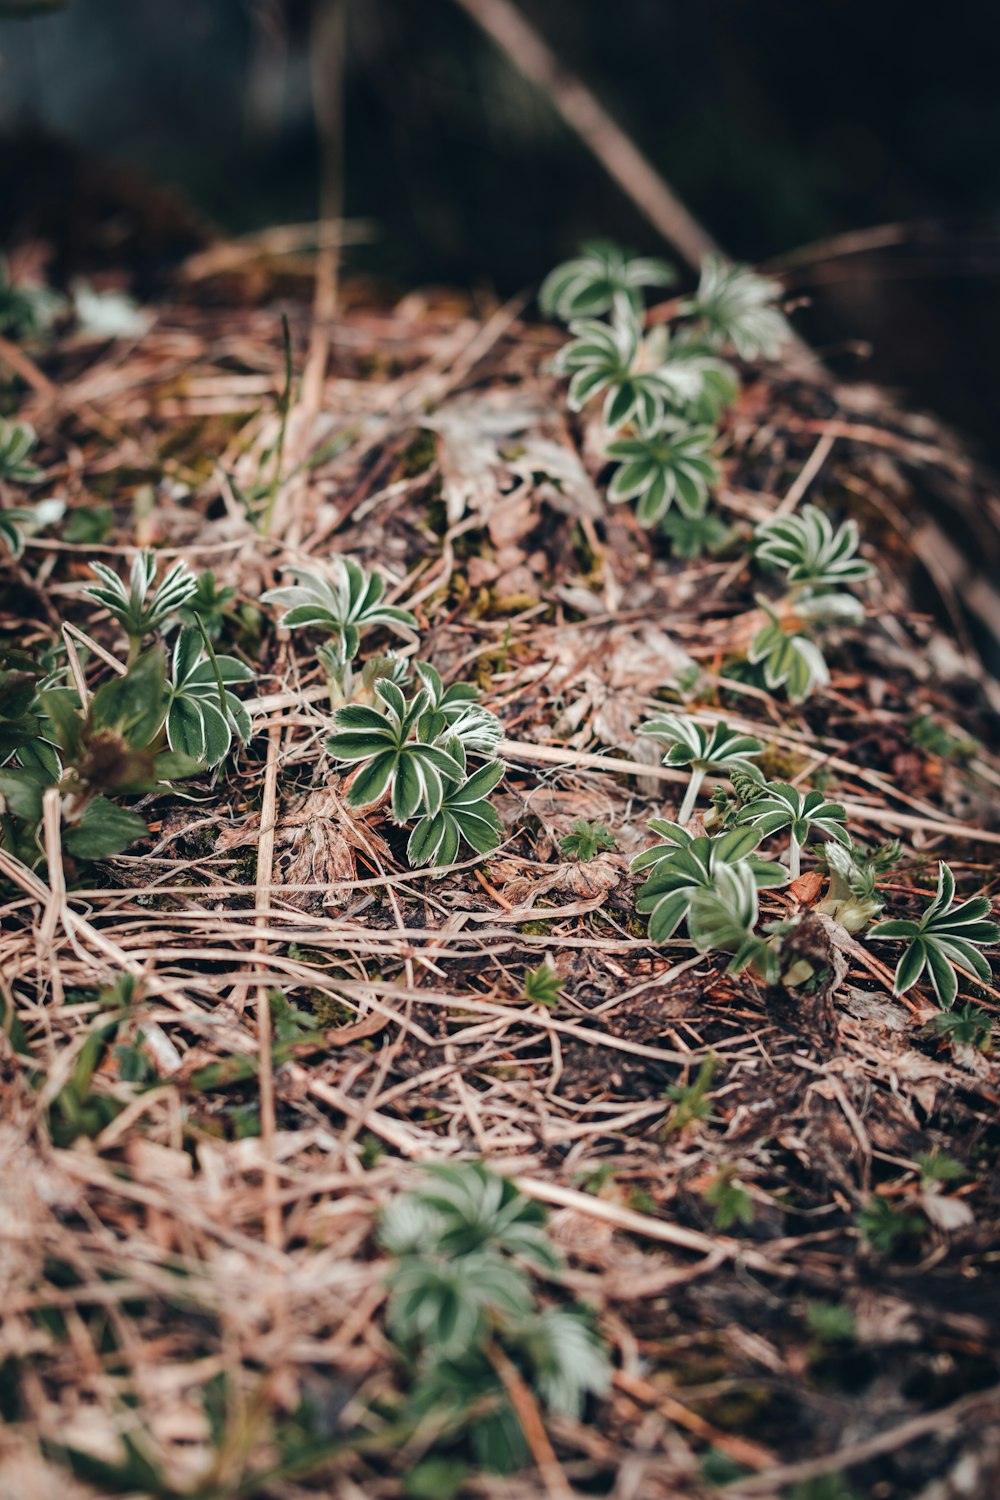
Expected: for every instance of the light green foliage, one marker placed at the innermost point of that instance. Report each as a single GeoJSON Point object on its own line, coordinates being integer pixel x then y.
{"type": "Point", "coordinates": [691, 1101]}
{"type": "Point", "coordinates": [342, 606]}
{"type": "Point", "coordinates": [781, 806]}
{"type": "Point", "coordinates": [203, 714]}
{"type": "Point", "coordinates": [937, 740]}
{"type": "Point", "coordinates": [141, 609]}
{"type": "Point", "coordinates": [852, 898]}
{"type": "Point", "coordinates": [790, 661]}
{"type": "Point", "coordinates": [16, 442]}
{"type": "Point", "coordinates": [586, 840]}
{"type": "Point", "coordinates": [968, 1027]}
{"type": "Point", "coordinates": [210, 604]}
{"type": "Point", "coordinates": [599, 277]}
{"type": "Point", "coordinates": [667, 463]}
{"type": "Point", "coordinates": [716, 751]}
{"type": "Point", "coordinates": [22, 521]}
{"type": "Point", "coordinates": [823, 1487]}
{"type": "Point", "coordinates": [723, 918]}
{"type": "Point", "coordinates": [732, 1203]}
{"type": "Point", "coordinates": [733, 305]}
{"type": "Point", "coordinates": [830, 1322]}
{"type": "Point", "coordinates": [542, 986]}
{"type": "Point", "coordinates": [807, 548]}
{"type": "Point", "coordinates": [938, 1166]}
{"type": "Point", "coordinates": [886, 1227]}
{"type": "Point", "coordinates": [465, 1243]}
{"type": "Point", "coordinates": [467, 721]}
{"type": "Point", "coordinates": [692, 536]}
{"type": "Point", "coordinates": [683, 865]}
{"type": "Point", "coordinates": [948, 933]}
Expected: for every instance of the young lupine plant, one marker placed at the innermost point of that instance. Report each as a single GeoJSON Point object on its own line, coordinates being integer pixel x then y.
{"type": "Point", "coordinates": [790, 661]}
{"type": "Point", "coordinates": [782, 806]}
{"type": "Point", "coordinates": [734, 305]}
{"type": "Point", "coordinates": [396, 747]}
{"type": "Point", "coordinates": [682, 866]}
{"type": "Point", "coordinates": [16, 442]}
{"type": "Point", "coordinates": [707, 752]}
{"type": "Point", "coordinates": [603, 358]}
{"type": "Point", "coordinates": [661, 464]}
{"type": "Point", "coordinates": [343, 606]}
{"type": "Point", "coordinates": [475, 727]}
{"type": "Point", "coordinates": [203, 715]}
{"type": "Point", "coordinates": [948, 933]}
{"type": "Point", "coordinates": [808, 549]}
{"type": "Point", "coordinates": [852, 897]}
{"type": "Point", "coordinates": [723, 917]}
{"type": "Point", "coordinates": [140, 609]}
{"type": "Point", "coordinates": [464, 814]}
{"type": "Point", "coordinates": [598, 278]}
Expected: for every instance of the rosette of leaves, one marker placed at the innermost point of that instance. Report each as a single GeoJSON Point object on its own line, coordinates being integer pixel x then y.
{"type": "Point", "coordinates": [465, 815]}
{"type": "Point", "coordinates": [344, 606]}
{"type": "Point", "coordinates": [601, 276]}
{"type": "Point", "coordinates": [474, 726]}
{"type": "Point", "coordinates": [788, 660]}
{"type": "Point", "coordinates": [733, 305]}
{"type": "Point", "coordinates": [714, 751]}
{"type": "Point", "coordinates": [16, 442]}
{"type": "Point", "coordinates": [203, 715]}
{"type": "Point", "coordinates": [722, 919]}
{"type": "Point", "coordinates": [139, 608]}
{"type": "Point", "coordinates": [810, 551]}
{"type": "Point", "coordinates": [396, 747]}
{"type": "Point", "coordinates": [948, 933]}
{"type": "Point", "coordinates": [461, 1300]}
{"type": "Point", "coordinates": [781, 806]}
{"type": "Point", "coordinates": [663, 464]}
{"type": "Point", "coordinates": [349, 686]}
{"type": "Point", "coordinates": [683, 865]}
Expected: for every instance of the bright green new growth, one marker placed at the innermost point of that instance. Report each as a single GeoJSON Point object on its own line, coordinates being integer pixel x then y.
{"type": "Point", "coordinates": [342, 607]}
{"type": "Point", "coordinates": [542, 986]}
{"type": "Point", "coordinates": [140, 609]}
{"type": "Point", "coordinates": [203, 715]}
{"type": "Point", "coordinates": [659, 465]}
{"type": "Point", "coordinates": [682, 866]}
{"type": "Point", "coordinates": [723, 919]}
{"type": "Point", "coordinates": [461, 1292]}
{"type": "Point", "coordinates": [790, 661]}
{"type": "Point", "coordinates": [716, 751]}
{"type": "Point", "coordinates": [852, 898]}
{"type": "Point", "coordinates": [601, 276]}
{"type": "Point", "coordinates": [782, 806]}
{"type": "Point", "coordinates": [945, 935]}
{"type": "Point", "coordinates": [586, 840]}
{"type": "Point", "coordinates": [733, 305]}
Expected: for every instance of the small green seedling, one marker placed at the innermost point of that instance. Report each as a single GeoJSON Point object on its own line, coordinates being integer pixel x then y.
{"type": "Point", "coordinates": [542, 986]}
{"type": "Point", "coordinates": [663, 464]}
{"type": "Point", "coordinates": [600, 277]}
{"type": "Point", "coordinates": [732, 1203]}
{"type": "Point", "coordinates": [716, 751]}
{"type": "Point", "coordinates": [886, 1227]}
{"type": "Point", "coordinates": [782, 806]}
{"type": "Point", "coordinates": [791, 661]}
{"type": "Point", "coordinates": [586, 840]}
{"type": "Point", "coordinates": [342, 606]}
{"type": "Point", "coordinates": [733, 305]}
{"type": "Point", "coordinates": [140, 609]}
{"type": "Point", "coordinates": [968, 1027]}
{"type": "Point", "coordinates": [948, 934]}
{"type": "Point", "coordinates": [692, 1101]}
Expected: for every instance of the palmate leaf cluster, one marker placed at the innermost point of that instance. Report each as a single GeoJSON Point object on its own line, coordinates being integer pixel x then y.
{"type": "Point", "coordinates": [711, 883]}
{"type": "Point", "coordinates": [341, 606]}
{"type": "Point", "coordinates": [663, 392]}
{"type": "Point", "coordinates": [140, 607]}
{"type": "Point", "coordinates": [465, 1244]}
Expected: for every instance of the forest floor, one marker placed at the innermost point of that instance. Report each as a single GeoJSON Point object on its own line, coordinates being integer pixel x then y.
{"type": "Point", "coordinates": [193, 1289]}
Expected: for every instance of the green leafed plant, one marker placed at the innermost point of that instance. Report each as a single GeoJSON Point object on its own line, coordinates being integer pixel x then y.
{"type": "Point", "coordinates": [16, 442]}
{"type": "Point", "coordinates": [475, 728]}
{"type": "Point", "coordinates": [782, 806]}
{"type": "Point", "coordinates": [26, 310]}
{"type": "Point", "coordinates": [586, 840]}
{"type": "Point", "coordinates": [714, 751]}
{"type": "Point", "coordinates": [790, 661]}
{"type": "Point", "coordinates": [22, 521]}
{"type": "Point", "coordinates": [203, 714]}
{"type": "Point", "coordinates": [723, 918]}
{"type": "Point", "coordinates": [683, 865]}
{"type": "Point", "coordinates": [730, 1200]}
{"type": "Point", "coordinates": [852, 897]}
{"type": "Point", "coordinates": [141, 609]}
{"type": "Point", "coordinates": [968, 1027]}
{"type": "Point", "coordinates": [396, 748]}
{"type": "Point", "coordinates": [810, 551]}
{"type": "Point", "coordinates": [733, 305]}
{"type": "Point", "coordinates": [542, 986]}
{"type": "Point", "coordinates": [663, 464]}
{"type": "Point", "coordinates": [465, 814]}
{"type": "Point", "coordinates": [887, 1227]}
{"type": "Point", "coordinates": [599, 277]}
{"type": "Point", "coordinates": [948, 933]}
{"type": "Point", "coordinates": [344, 606]}
{"type": "Point", "coordinates": [462, 1303]}
{"type": "Point", "coordinates": [691, 537]}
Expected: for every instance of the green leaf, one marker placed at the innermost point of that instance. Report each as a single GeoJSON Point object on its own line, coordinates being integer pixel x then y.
{"type": "Point", "coordinates": [104, 830]}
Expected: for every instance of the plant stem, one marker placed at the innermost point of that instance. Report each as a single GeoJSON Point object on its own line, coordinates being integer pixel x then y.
{"type": "Point", "coordinates": [794, 858]}
{"type": "Point", "coordinates": [691, 795]}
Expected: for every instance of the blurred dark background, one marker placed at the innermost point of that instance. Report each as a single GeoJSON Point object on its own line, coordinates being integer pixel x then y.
{"type": "Point", "coordinates": [779, 124]}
